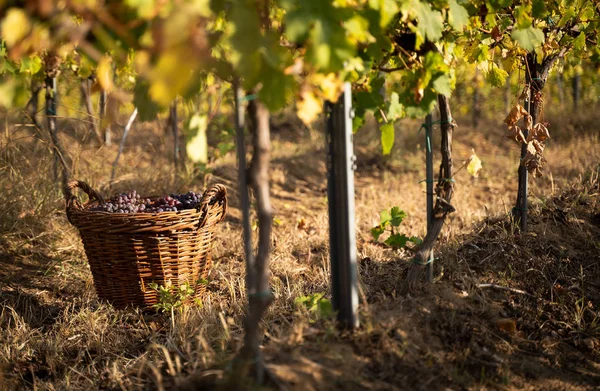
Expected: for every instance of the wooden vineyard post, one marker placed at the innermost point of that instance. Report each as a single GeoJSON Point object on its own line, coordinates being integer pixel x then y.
{"type": "Point", "coordinates": [429, 187]}
{"type": "Point", "coordinates": [340, 192]}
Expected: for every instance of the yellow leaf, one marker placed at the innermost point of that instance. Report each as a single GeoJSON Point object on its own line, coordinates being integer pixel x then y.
{"type": "Point", "coordinates": [331, 85]}
{"type": "Point", "coordinates": [15, 26]}
{"type": "Point", "coordinates": [308, 107]}
{"type": "Point", "coordinates": [197, 147]}
{"type": "Point", "coordinates": [474, 165]}
{"type": "Point", "coordinates": [104, 73]}
{"type": "Point", "coordinates": [171, 75]}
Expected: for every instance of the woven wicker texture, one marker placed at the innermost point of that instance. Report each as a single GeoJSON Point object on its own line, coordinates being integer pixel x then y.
{"type": "Point", "coordinates": [129, 251]}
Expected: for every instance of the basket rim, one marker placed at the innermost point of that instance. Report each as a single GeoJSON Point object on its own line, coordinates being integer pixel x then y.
{"type": "Point", "coordinates": [82, 217]}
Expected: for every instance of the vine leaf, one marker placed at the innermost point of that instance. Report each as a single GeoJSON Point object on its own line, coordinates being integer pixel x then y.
{"type": "Point", "coordinates": [515, 133]}
{"type": "Point", "coordinates": [528, 122]}
{"type": "Point", "coordinates": [397, 240]}
{"type": "Point", "coordinates": [387, 137]}
{"type": "Point", "coordinates": [15, 26]}
{"type": "Point", "coordinates": [398, 215]}
{"type": "Point", "coordinates": [539, 133]}
{"type": "Point", "coordinates": [533, 160]}
{"type": "Point", "coordinates": [496, 76]}
{"type": "Point", "coordinates": [474, 165]}
{"type": "Point", "coordinates": [308, 107]}
{"type": "Point", "coordinates": [377, 232]}
{"type": "Point", "coordinates": [31, 65]}
{"type": "Point", "coordinates": [528, 38]}
{"type": "Point", "coordinates": [196, 147]}
{"type": "Point", "coordinates": [104, 73]}
{"type": "Point", "coordinates": [515, 114]}
{"type": "Point", "coordinates": [458, 17]}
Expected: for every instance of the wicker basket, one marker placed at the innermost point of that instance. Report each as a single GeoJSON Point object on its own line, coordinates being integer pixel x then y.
{"type": "Point", "coordinates": [128, 252]}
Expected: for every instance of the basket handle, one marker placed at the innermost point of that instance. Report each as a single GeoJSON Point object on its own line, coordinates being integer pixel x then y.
{"type": "Point", "coordinates": [215, 194]}
{"type": "Point", "coordinates": [71, 200]}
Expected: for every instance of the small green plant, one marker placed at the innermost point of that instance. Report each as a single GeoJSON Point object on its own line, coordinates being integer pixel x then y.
{"type": "Point", "coordinates": [170, 297]}
{"type": "Point", "coordinates": [392, 219]}
{"type": "Point", "coordinates": [316, 304]}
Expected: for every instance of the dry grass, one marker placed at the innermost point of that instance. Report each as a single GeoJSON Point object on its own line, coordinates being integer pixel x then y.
{"type": "Point", "coordinates": [55, 334]}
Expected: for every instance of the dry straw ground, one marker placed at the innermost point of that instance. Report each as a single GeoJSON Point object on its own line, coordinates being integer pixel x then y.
{"type": "Point", "coordinates": [56, 335]}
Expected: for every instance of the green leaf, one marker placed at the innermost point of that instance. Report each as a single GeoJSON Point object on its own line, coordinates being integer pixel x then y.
{"type": "Point", "coordinates": [329, 44]}
{"type": "Point", "coordinates": [7, 93]}
{"type": "Point", "coordinates": [7, 66]}
{"type": "Point", "coordinates": [481, 53]}
{"type": "Point", "coordinates": [397, 240]}
{"type": "Point", "coordinates": [387, 10]}
{"type": "Point", "coordinates": [566, 17]}
{"type": "Point", "coordinates": [499, 4]}
{"type": "Point", "coordinates": [529, 38]}
{"type": "Point", "coordinates": [278, 88]}
{"type": "Point", "coordinates": [147, 109]}
{"type": "Point", "coordinates": [430, 22]}
{"type": "Point", "coordinates": [458, 17]}
{"type": "Point", "coordinates": [376, 232]}
{"type": "Point", "coordinates": [395, 110]}
{"type": "Point", "coordinates": [442, 85]}
{"type": "Point", "coordinates": [325, 309]}
{"type": "Point", "coordinates": [496, 76]}
{"type": "Point", "coordinates": [384, 217]}
{"type": "Point", "coordinates": [387, 137]}
{"type": "Point", "coordinates": [579, 42]}
{"type": "Point", "coordinates": [522, 15]}
{"type": "Point", "coordinates": [416, 240]}
{"type": "Point", "coordinates": [31, 65]}
{"type": "Point", "coordinates": [538, 9]}
{"type": "Point", "coordinates": [398, 215]}
{"type": "Point", "coordinates": [359, 119]}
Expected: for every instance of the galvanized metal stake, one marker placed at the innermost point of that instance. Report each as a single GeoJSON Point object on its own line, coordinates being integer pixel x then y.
{"type": "Point", "coordinates": [242, 172]}
{"type": "Point", "coordinates": [429, 182]}
{"type": "Point", "coordinates": [340, 192]}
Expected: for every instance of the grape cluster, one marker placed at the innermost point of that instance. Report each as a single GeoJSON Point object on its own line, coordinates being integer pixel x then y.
{"type": "Point", "coordinates": [132, 202]}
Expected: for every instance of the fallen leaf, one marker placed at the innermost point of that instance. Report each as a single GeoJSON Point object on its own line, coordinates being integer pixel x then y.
{"type": "Point", "coordinates": [507, 325]}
